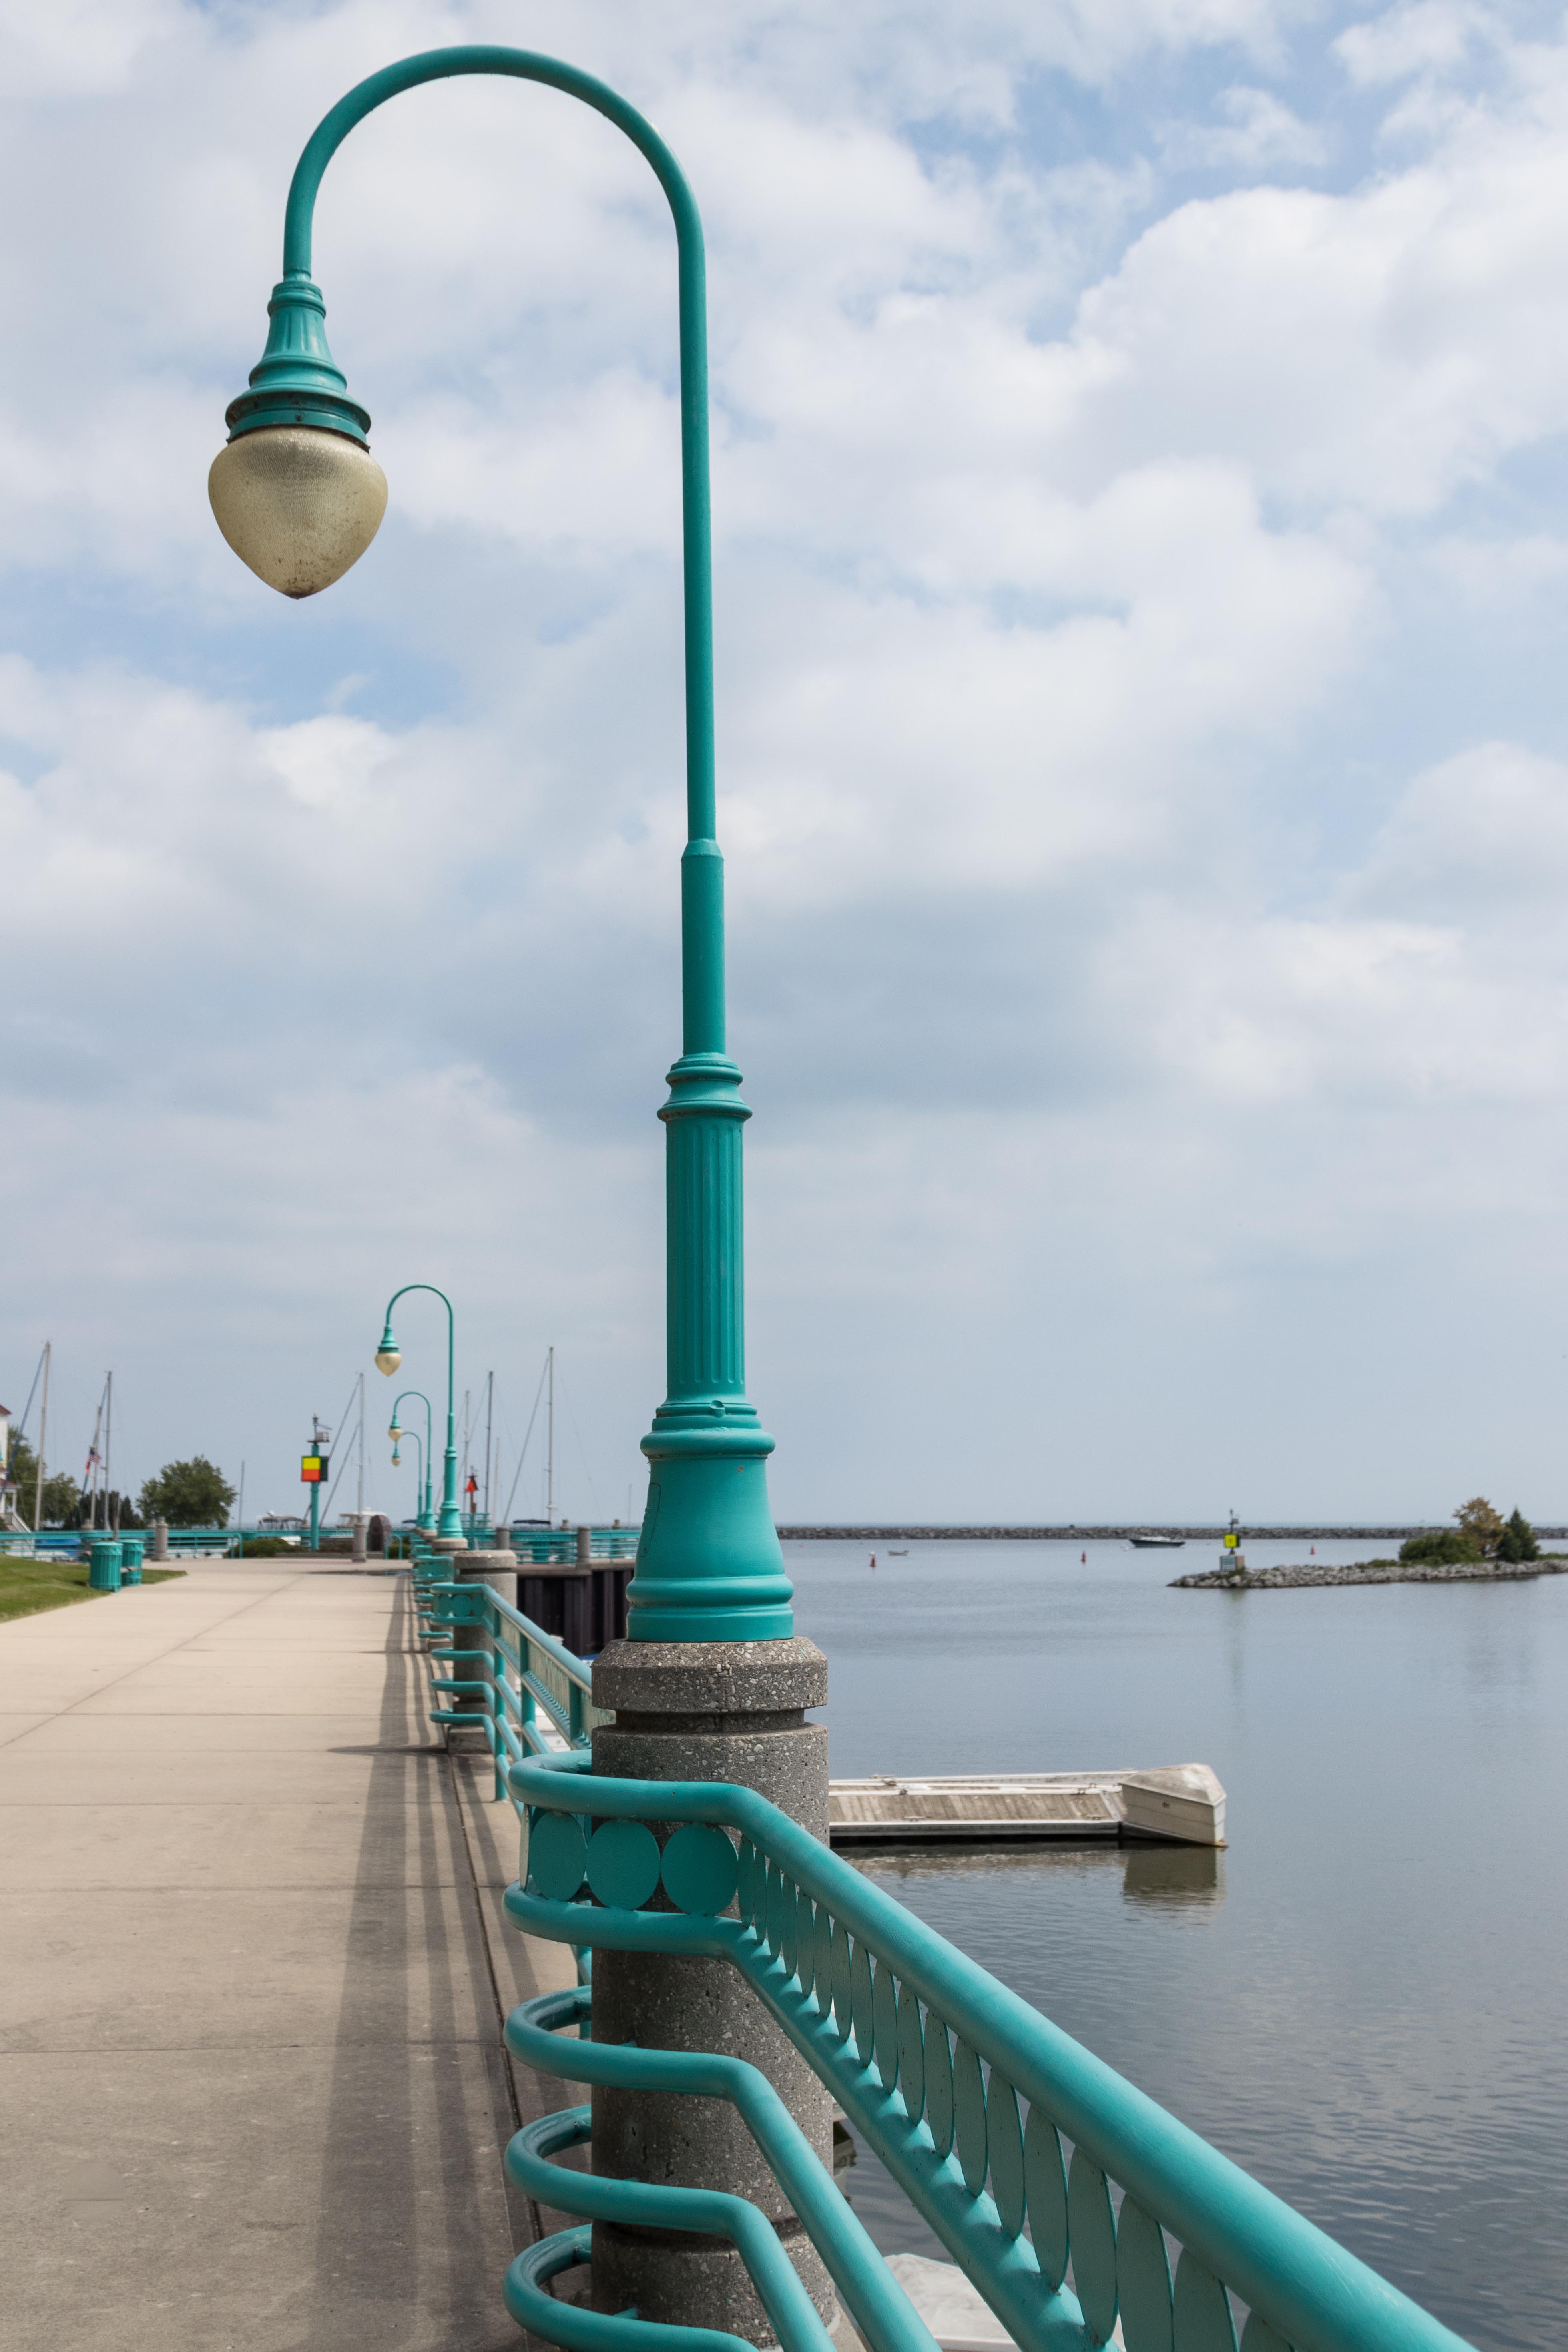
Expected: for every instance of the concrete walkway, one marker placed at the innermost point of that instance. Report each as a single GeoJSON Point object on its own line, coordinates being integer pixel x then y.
{"type": "Point", "coordinates": [253, 1968]}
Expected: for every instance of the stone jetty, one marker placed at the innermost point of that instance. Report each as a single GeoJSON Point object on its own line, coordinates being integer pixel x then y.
{"type": "Point", "coordinates": [1373, 1571]}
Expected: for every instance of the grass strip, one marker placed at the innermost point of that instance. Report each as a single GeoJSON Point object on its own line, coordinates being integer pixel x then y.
{"type": "Point", "coordinates": [28, 1585]}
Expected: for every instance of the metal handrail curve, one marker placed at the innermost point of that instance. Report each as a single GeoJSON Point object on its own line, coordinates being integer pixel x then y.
{"type": "Point", "coordinates": [877, 2304]}
{"type": "Point", "coordinates": [523, 1672]}
{"type": "Point", "coordinates": [931, 2057]}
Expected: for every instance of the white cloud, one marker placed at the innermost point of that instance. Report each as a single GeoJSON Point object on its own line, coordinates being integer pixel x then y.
{"type": "Point", "coordinates": [82, 48]}
{"type": "Point", "coordinates": [1257, 132]}
{"type": "Point", "coordinates": [1142, 895]}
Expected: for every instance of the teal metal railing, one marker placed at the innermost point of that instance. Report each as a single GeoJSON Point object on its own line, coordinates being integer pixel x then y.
{"type": "Point", "coordinates": [1059, 2189]}
{"type": "Point", "coordinates": [509, 1671]}
{"type": "Point", "coordinates": [875, 2300]}
{"type": "Point", "coordinates": [558, 1546]}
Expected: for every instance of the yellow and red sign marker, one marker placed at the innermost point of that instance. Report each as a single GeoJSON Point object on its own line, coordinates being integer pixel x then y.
{"type": "Point", "coordinates": [313, 1469]}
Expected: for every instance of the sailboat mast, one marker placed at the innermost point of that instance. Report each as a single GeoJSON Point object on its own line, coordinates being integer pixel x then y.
{"type": "Point", "coordinates": [108, 1444]}
{"type": "Point", "coordinates": [93, 1465]}
{"type": "Point", "coordinates": [43, 1441]}
{"type": "Point", "coordinates": [489, 1415]}
{"type": "Point", "coordinates": [550, 1449]}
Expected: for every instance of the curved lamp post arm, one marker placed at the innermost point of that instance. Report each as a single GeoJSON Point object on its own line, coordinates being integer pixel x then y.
{"type": "Point", "coordinates": [705, 985]}
{"type": "Point", "coordinates": [709, 1564]}
{"type": "Point", "coordinates": [420, 1398]}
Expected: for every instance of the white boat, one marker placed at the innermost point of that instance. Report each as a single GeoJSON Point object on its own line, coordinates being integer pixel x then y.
{"type": "Point", "coordinates": [1157, 1543]}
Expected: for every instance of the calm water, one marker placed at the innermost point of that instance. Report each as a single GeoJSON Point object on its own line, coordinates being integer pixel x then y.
{"type": "Point", "coordinates": [1363, 1999]}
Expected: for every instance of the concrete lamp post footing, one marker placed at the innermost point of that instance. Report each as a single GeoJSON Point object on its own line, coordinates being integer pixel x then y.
{"type": "Point", "coordinates": [498, 1570]}
{"type": "Point", "coordinates": [735, 1712]}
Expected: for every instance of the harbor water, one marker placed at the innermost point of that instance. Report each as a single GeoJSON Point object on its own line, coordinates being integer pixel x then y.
{"type": "Point", "coordinates": [1362, 1998]}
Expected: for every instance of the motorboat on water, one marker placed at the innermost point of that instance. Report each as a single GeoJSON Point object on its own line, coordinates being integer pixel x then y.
{"type": "Point", "coordinates": [1157, 1543]}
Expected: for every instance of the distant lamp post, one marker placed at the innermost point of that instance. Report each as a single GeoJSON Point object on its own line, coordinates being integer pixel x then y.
{"type": "Point", "coordinates": [425, 1519]}
{"type": "Point", "coordinates": [299, 497]}
{"type": "Point", "coordinates": [387, 1358]}
{"type": "Point", "coordinates": [421, 1480]}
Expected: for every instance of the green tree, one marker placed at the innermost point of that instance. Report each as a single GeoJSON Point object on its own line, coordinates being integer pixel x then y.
{"type": "Point", "coordinates": [1444, 1547]}
{"type": "Point", "coordinates": [1480, 1524]}
{"type": "Point", "coordinates": [113, 1510]}
{"type": "Point", "coordinates": [61, 1493]}
{"type": "Point", "coordinates": [1518, 1539]}
{"type": "Point", "coordinates": [193, 1494]}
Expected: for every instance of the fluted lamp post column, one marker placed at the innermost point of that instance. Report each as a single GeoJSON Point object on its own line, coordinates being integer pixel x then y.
{"type": "Point", "coordinates": [387, 1358]}
{"type": "Point", "coordinates": [712, 1684]}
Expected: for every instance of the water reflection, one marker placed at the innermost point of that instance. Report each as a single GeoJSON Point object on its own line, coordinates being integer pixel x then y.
{"type": "Point", "coordinates": [1185, 1876]}
{"type": "Point", "coordinates": [1189, 1876]}
{"type": "Point", "coordinates": [1361, 2001]}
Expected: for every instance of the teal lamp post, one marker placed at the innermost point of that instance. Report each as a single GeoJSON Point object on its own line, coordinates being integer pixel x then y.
{"type": "Point", "coordinates": [424, 1516]}
{"type": "Point", "coordinates": [299, 496]}
{"type": "Point", "coordinates": [421, 1482]}
{"type": "Point", "coordinates": [388, 1357]}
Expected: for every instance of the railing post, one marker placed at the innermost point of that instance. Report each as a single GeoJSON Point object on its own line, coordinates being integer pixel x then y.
{"type": "Point", "coordinates": [473, 1640]}
{"type": "Point", "coordinates": [528, 1705]}
{"type": "Point", "coordinates": [497, 1696]}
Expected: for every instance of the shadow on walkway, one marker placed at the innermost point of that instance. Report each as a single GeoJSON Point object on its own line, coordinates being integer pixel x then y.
{"type": "Point", "coordinates": [414, 2230]}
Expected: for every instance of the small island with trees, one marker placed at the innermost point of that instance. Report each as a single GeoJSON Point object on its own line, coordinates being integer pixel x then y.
{"type": "Point", "coordinates": [1481, 1547]}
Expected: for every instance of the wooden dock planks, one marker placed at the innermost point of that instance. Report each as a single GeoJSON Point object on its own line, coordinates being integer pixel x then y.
{"type": "Point", "coordinates": [1181, 1804]}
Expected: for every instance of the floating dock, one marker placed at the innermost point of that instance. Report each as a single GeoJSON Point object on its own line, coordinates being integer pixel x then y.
{"type": "Point", "coordinates": [1181, 1805]}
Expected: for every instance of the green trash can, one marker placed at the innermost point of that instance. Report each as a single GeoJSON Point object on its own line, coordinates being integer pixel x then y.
{"type": "Point", "coordinates": [131, 1549]}
{"type": "Point", "coordinates": [103, 1572]}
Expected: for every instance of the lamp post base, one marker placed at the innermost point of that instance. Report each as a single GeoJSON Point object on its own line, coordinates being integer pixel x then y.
{"type": "Point", "coordinates": [475, 1661]}
{"type": "Point", "coordinates": [731, 1711]}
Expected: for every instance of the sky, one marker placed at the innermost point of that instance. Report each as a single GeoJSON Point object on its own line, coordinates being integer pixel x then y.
{"type": "Point", "coordinates": [1140, 497]}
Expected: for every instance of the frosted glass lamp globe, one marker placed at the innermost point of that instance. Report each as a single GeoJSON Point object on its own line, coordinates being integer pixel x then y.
{"type": "Point", "coordinates": [297, 504]}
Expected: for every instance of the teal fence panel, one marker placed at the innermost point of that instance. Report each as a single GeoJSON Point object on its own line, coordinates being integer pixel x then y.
{"type": "Point", "coordinates": [1077, 2207]}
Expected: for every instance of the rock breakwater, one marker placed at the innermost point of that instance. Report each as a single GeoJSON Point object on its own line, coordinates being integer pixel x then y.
{"type": "Point", "coordinates": [1374, 1572]}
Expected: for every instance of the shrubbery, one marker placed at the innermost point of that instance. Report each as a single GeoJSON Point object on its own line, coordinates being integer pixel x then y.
{"type": "Point", "coordinates": [1444, 1547]}
{"type": "Point", "coordinates": [1481, 1534]}
{"type": "Point", "coordinates": [1517, 1540]}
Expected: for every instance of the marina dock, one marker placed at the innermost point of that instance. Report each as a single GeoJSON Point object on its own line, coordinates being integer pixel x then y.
{"type": "Point", "coordinates": [1181, 1803]}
